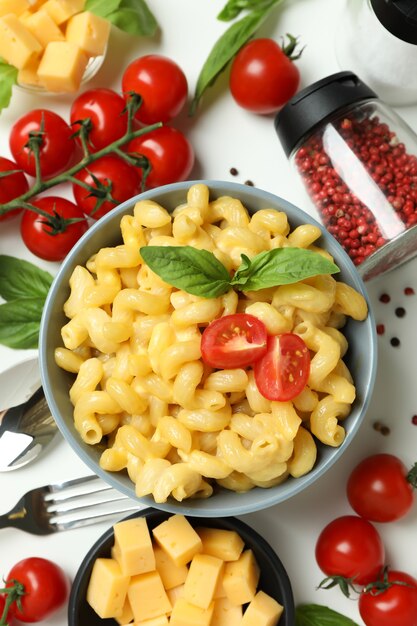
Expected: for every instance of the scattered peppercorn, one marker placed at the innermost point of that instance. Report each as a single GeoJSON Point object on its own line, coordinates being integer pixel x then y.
{"type": "Point", "coordinates": [380, 329]}
{"type": "Point", "coordinates": [384, 298]}
{"type": "Point", "coordinates": [250, 183]}
{"type": "Point", "coordinates": [400, 311]}
{"type": "Point", "coordinates": [233, 171]}
{"type": "Point", "coordinates": [414, 420]}
{"type": "Point", "coordinates": [395, 342]}
{"type": "Point", "coordinates": [409, 291]}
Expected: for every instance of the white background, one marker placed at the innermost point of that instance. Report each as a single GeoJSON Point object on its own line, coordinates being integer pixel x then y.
{"type": "Point", "coordinates": [225, 136]}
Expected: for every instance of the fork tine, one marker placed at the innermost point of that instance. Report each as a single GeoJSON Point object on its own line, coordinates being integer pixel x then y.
{"type": "Point", "coordinates": [93, 519]}
{"type": "Point", "coordinates": [59, 507]}
{"type": "Point", "coordinates": [60, 492]}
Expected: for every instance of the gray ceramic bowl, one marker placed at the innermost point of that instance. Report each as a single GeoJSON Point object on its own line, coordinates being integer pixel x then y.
{"type": "Point", "coordinates": [361, 357]}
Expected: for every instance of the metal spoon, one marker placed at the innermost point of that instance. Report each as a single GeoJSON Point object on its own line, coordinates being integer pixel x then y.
{"type": "Point", "coordinates": [25, 429]}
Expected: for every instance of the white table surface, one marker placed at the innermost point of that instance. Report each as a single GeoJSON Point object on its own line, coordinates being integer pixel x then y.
{"type": "Point", "coordinates": [226, 136]}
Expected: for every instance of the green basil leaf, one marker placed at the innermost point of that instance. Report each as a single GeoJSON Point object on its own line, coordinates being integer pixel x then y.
{"type": "Point", "coordinates": [21, 279]}
{"type": "Point", "coordinates": [134, 17]}
{"type": "Point", "coordinates": [280, 266]}
{"type": "Point", "coordinates": [20, 323]}
{"type": "Point", "coordinates": [226, 47]}
{"type": "Point", "coordinates": [317, 615]}
{"type": "Point", "coordinates": [102, 8]}
{"type": "Point", "coordinates": [234, 7]}
{"type": "Point", "coordinates": [8, 78]}
{"type": "Point", "coordinates": [195, 271]}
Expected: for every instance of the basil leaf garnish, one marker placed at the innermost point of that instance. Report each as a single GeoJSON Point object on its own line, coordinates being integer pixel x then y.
{"type": "Point", "coordinates": [102, 8]}
{"type": "Point", "coordinates": [20, 323]}
{"type": "Point", "coordinates": [195, 271]}
{"type": "Point", "coordinates": [234, 7]}
{"type": "Point", "coordinates": [318, 615]}
{"type": "Point", "coordinates": [21, 279]}
{"type": "Point", "coordinates": [8, 78]}
{"type": "Point", "coordinates": [134, 17]}
{"type": "Point", "coordinates": [281, 266]}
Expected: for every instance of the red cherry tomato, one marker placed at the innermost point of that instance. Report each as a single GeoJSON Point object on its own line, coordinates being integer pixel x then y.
{"type": "Point", "coordinates": [57, 147]}
{"type": "Point", "coordinates": [351, 547]}
{"type": "Point", "coordinates": [378, 488]}
{"type": "Point", "coordinates": [162, 85]}
{"type": "Point", "coordinates": [11, 187]}
{"type": "Point", "coordinates": [282, 373]}
{"type": "Point", "coordinates": [37, 230]}
{"type": "Point", "coordinates": [46, 588]}
{"type": "Point", "coordinates": [106, 110]}
{"type": "Point", "coordinates": [233, 341]}
{"type": "Point", "coordinates": [122, 180]}
{"type": "Point", "coordinates": [263, 77]}
{"type": "Point", "coordinates": [170, 154]}
{"type": "Point", "coordinates": [396, 605]}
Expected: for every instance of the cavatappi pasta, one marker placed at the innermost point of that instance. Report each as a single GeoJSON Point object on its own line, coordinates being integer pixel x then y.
{"type": "Point", "coordinates": [174, 424]}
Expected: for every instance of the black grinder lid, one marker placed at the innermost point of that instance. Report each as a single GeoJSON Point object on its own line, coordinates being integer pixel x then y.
{"type": "Point", "coordinates": [312, 105]}
{"type": "Point", "coordinates": [399, 17]}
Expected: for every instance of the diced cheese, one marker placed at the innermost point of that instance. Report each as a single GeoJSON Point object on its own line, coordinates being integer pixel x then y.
{"type": "Point", "coordinates": [43, 27]}
{"type": "Point", "coordinates": [13, 6]}
{"type": "Point", "coordinates": [172, 575]}
{"type": "Point", "coordinates": [262, 611]}
{"type": "Point", "coordinates": [178, 538]}
{"type": "Point", "coordinates": [126, 615]}
{"type": "Point", "coordinates": [202, 580]}
{"type": "Point", "coordinates": [106, 592]}
{"type": "Point", "coordinates": [225, 544]}
{"type": "Point", "coordinates": [90, 32]}
{"type": "Point", "coordinates": [147, 596]}
{"type": "Point", "coordinates": [29, 75]}
{"type": "Point", "coordinates": [35, 4]}
{"type": "Point", "coordinates": [62, 10]}
{"type": "Point", "coordinates": [226, 614]}
{"type": "Point", "coordinates": [161, 620]}
{"type": "Point", "coordinates": [175, 593]}
{"type": "Point", "coordinates": [25, 16]}
{"type": "Point", "coordinates": [62, 66]}
{"type": "Point", "coordinates": [133, 546]}
{"type": "Point", "coordinates": [186, 614]}
{"type": "Point", "coordinates": [17, 45]}
{"type": "Point", "coordinates": [241, 578]}
{"type": "Point", "coordinates": [219, 591]}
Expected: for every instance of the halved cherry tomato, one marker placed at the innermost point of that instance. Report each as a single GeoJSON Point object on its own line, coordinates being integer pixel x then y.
{"type": "Point", "coordinates": [234, 341]}
{"type": "Point", "coordinates": [282, 373]}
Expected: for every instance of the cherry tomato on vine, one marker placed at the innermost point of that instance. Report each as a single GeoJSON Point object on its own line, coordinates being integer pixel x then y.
{"type": "Point", "coordinates": [396, 605]}
{"type": "Point", "coordinates": [263, 76]}
{"type": "Point", "coordinates": [351, 547]}
{"type": "Point", "coordinates": [380, 488]}
{"type": "Point", "coordinates": [282, 372]}
{"type": "Point", "coordinates": [106, 110]}
{"type": "Point", "coordinates": [45, 585]}
{"type": "Point", "coordinates": [52, 238]}
{"type": "Point", "coordinates": [233, 341]}
{"type": "Point", "coordinates": [162, 85]}
{"type": "Point", "coordinates": [170, 154]}
{"type": "Point", "coordinates": [120, 179]}
{"type": "Point", "coordinates": [56, 148]}
{"type": "Point", "coordinates": [11, 186]}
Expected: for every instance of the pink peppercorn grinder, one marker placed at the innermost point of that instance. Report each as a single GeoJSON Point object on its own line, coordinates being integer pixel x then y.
{"type": "Point", "coordinates": [358, 162]}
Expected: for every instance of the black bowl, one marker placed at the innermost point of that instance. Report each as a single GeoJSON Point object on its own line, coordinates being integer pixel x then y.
{"type": "Point", "coordinates": [273, 580]}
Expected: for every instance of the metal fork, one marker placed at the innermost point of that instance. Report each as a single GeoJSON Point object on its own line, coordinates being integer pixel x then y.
{"type": "Point", "coordinates": [62, 506]}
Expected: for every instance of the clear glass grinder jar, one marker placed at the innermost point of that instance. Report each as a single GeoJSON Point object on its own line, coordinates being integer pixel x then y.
{"type": "Point", "coordinates": [358, 161]}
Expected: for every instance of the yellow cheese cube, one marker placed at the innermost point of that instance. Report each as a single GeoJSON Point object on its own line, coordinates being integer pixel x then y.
{"type": "Point", "coordinates": [17, 45]}
{"type": "Point", "coordinates": [219, 591]}
{"type": "Point", "coordinates": [90, 32]}
{"type": "Point", "coordinates": [202, 580]}
{"type": "Point", "coordinates": [35, 4]}
{"type": "Point", "coordinates": [241, 578]}
{"type": "Point", "coordinates": [175, 593]}
{"type": "Point", "coordinates": [186, 614]}
{"type": "Point", "coordinates": [161, 620]}
{"type": "Point", "coordinates": [106, 592]}
{"type": "Point", "coordinates": [42, 26]}
{"type": "Point", "coordinates": [147, 596]}
{"type": "Point", "coordinates": [13, 6]}
{"type": "Point", "coordinates": [172, 575]}
{"type": "Point", "coordinates": [262, 611]}
{"type": "Point", "coordinates": [25, 16]}
{"type": "Point", "coordinates": [126, 615]}
{"type": "Point", "coordinates": [62, 67]}
{"type": "Point", "coordinates": [226, 614]}
{"type": "Point", "coordinates": [62, 10]}
{"type": "Point", "coordinates": [178, 538]}
{"type": "Point", "coordinates": [29, 75]}
{"type": "Point", "coordinates": [133, 546]}
{"type": "Point", "coordinates": [225, 544]}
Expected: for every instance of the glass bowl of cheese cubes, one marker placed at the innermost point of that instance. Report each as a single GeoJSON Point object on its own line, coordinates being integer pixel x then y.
{"type": "Point", "coordinates": [55, 45]}
{"type": "Point", "coordinates": [158, 569]}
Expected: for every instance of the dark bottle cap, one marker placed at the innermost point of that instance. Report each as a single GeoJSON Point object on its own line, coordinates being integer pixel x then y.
{"type": "Point", "coordinates": [399, 17]}
{"type": "Point", "coordinates": [314, 104]}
